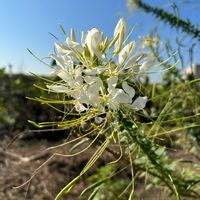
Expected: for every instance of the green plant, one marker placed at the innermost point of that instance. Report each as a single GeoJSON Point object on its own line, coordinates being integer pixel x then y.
{"type": "Point", "coordinates": [169, 18]}
{"type": "Point", "coordinates": [106, 103]}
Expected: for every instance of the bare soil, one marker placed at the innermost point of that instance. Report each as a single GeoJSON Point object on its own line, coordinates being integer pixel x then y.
{"type": "Point", "coordinates": [20, 160]}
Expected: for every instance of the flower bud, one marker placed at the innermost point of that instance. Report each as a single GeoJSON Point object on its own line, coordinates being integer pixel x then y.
{"type": "Point", "coordinates": [119, 32]}
{"type": "Point", "coordinates": [125, 52]}
{"type": "Point", "coordinates": [93, 40]}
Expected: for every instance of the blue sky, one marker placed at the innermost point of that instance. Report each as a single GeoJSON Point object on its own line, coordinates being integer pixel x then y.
{"type": "Point", "coordinates": [26, 23]}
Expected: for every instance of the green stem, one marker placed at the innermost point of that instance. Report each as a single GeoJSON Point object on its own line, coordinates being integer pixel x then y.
{"type": "Point", "coordinates": [170, 18]}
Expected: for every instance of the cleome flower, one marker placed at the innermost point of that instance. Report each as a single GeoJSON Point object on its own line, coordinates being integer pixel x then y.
{"type": "Point", "coordinates": [99, 72]}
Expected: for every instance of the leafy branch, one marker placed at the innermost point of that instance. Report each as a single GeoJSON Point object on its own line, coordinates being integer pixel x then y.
{"type": "Point", "coordinates": [173, 20]}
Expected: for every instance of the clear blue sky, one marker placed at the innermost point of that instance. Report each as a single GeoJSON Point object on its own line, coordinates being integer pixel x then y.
{"type": "Point", "coordinates": [26, 23]}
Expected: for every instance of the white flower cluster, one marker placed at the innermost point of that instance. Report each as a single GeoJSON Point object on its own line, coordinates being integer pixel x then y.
{"type": "Point", "coordinates": [95, 77]}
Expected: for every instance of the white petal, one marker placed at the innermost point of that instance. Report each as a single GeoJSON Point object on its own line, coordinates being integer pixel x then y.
{"type": "Point", "coordinates": [61, 49]}
{"type": "Point", "coordinates": [94, 71]}
{"type": "Point", "coordinates": [125, 52]}
{"type": "Point", "coordinates": [128, 89]}
{"type": "Point", "coordinates": [93, 90]}
{"type": "Point", "coordinates": [57, 88]}
{"type": "Point", "coordinates": [112, 82]}
{"type": "Point", "coordinates": [133, 62]}
{"type": "Point", "coordinates": [82, 96]}
{"type": "Point", "coordinates": [113, 104]}
{"type": "Point", "coordinates": [64, 75]}
{"type": "Point", "coordinates": [147, 64]}
{"type": "Point", "coordinates": [95, 100]}
{"type": "Point", "coordinates": [98, 120]}
{"type": "Point", "coordinates": [130, 62]}
{"type": "Point", "coordinates": [78, 76]}
{"type": "Point", "coordinates": [90, 71]}
{"type": "Point", "coordinates": [59, 61]}
{"type": "Point", "coordinates": [122, 97]}
{"type": "Point", "coordinates": [90, 79]}
{"type": "Point", "coordinates": [78, 71]}
{"type": "Point", "coordinates": [78, 80]}
{"type": "Point", "coordinates": [139, 103]}
{"type": "Point", "coordinates": [74, 45]}
{"type": "Point", "coordinates": [80, 107]}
